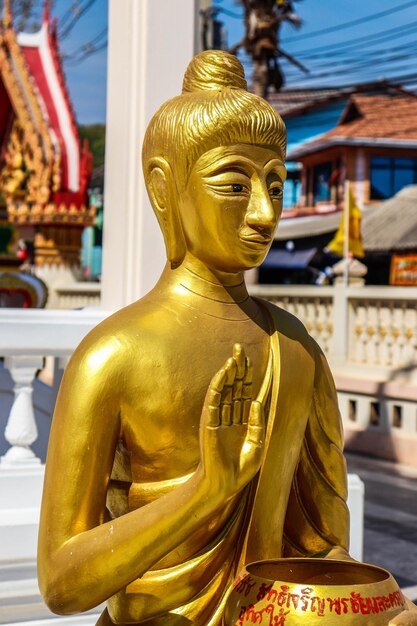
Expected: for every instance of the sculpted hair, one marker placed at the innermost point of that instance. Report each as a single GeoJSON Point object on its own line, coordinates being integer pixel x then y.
{"type": "Point", "coordinates": [214, 109]}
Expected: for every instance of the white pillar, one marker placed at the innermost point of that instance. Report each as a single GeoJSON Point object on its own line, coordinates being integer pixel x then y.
{"type": "Point", "coordinates": [150, 45]}
{"type": "Point", "coordinates": [21, 472]}
{"type": "Point", "coordinates": [340, 350]}
{"type": "Point", "coordinates": [21, 431]}
{"type": "Point", "coordinates": [360, 175]}
{"type": "Point", "coordinates": [356, 504]}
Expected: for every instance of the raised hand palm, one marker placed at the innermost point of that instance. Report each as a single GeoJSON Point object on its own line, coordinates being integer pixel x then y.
{"type": "Point", "coordinates": [232, 426]}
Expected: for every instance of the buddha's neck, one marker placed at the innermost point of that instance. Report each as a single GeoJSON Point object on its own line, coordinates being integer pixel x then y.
{"type": "Point", "coordinates": [215, 293]}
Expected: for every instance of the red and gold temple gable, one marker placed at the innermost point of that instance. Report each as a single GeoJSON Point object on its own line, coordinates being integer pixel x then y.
{"type": "Point", "coordinates": [44, 170]}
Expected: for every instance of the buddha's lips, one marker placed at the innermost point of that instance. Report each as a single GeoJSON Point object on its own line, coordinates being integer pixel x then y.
{"type": "Point", "coordinates": [255, 237]}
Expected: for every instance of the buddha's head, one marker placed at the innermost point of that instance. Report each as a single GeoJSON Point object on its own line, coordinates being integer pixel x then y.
{"type": "Point", "coordinates": [213, 162]}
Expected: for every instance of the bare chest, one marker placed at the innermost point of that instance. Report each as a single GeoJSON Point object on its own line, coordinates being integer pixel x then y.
{"type": "Point", "coordinates": [162, 406]}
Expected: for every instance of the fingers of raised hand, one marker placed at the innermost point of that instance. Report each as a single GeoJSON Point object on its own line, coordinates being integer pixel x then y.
{"type": "Point", "coordinates": [230, 392]}
{"type": "Point", "coordinates": [247, 392]}
{"type": "Point", "coordinates": [240, 359]}
{"type": "Point", "coordinates": [242, 386]}
{"type": "Point", "coordinates": [214, 397]}
{"type": "Point", "coordinates": [226, 412]}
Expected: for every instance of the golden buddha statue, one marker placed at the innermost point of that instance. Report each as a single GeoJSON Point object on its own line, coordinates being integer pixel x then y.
{"type": "Point", "coordinates": [197, 429]}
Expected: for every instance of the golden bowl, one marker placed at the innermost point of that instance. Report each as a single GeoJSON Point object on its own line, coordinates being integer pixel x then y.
{"type": "Point", "coordinates": [296, 592]}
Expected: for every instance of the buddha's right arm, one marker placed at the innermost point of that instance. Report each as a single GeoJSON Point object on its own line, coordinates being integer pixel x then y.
{"type": "Point", "coordinates": [83, 561]}
{"type": "Point", "coordinates": [83, 567]}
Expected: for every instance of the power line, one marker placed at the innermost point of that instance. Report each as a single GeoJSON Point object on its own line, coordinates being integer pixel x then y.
{"type": "Point", "coordinates": [370, 39]}
{"type": "Point", "coordinates": [386, 57]}
{"type": "Point", "coordinates": [404, 51]}
{"type": "Point", "coordinates": [398, 80]}
{"type": "Point", "coordinates": [67, 29]}
{"type": "Point", "coordinates": [90, 43]}
{"type": "Point", "coordinates": [69, 14]}
{"type": "Point", "coordinates": [344, 25]}
{"type": "Point", "coordinates": [350, 70]}
{"type": "Point", "coordinates": [321, 82]}
{"type": "Point", "coordinates": [88, 52]}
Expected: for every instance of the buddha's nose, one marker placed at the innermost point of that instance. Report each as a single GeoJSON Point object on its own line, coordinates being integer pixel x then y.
{"type": "Point", "coordinates": [261, 214]}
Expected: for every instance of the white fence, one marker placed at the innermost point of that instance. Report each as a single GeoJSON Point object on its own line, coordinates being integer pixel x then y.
{"type": "Point", "coordinates": [372, 326]}
{"type": "Point", "coordinates": [29, 339]}
{"type": "Point", "coordinates": [366, 333]}
{"type": "Point", "coordinates": [369, 335]}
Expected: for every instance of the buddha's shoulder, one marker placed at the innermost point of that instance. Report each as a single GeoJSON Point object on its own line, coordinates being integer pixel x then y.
{"type": "Point", "coordinates": [134, 332]}
{"type": "Point", "coordinates": [289, 326]}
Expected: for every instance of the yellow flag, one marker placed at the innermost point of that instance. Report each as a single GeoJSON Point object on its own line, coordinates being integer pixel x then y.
{"type": "Point", "coordinates": [337, 244]}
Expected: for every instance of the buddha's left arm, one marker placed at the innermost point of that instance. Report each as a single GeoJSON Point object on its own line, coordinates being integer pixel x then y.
{"type": "Point", "coordinates": [317, 521]}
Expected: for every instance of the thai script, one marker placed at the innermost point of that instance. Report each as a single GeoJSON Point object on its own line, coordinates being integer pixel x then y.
{"type": "Point", "coordinates": [244, 585]}
{"type": "Point", "coordinates": [267, 615]}
{"type": "Point", "coordinates": [306, 601]}
{"type": "Point", "coordinates": [355, 603]}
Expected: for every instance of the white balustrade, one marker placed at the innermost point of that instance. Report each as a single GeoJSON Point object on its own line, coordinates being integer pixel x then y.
{"type": "Point", "coordinates": [21, 431]}
{"type": "Point", "coordinates": [361, 330]}
{"type": "Point", "coordinates": [383, 326]}
{"type": "Point", "coordinates": [369, 335]}
{"type": "Point", "coordinates": [26, 338]}
{"type": "Point", "coordinates": [312, 305]}
{"type": "Point", "coordinates": [370, 326]}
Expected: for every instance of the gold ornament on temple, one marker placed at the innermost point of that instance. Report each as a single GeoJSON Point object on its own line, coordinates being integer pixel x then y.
{"type": "Point", "coordinates": [196, 430]}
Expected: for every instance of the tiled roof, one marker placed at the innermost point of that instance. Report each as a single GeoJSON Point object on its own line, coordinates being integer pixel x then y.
{"type": "Point", "coordinates": [393, 224]}
{"type": "Point", "coordinates": [290, 102]}
{"type": "Point", "coordinates": [368, 121]}
{"type": "Point", "coordinates": [378, 117]}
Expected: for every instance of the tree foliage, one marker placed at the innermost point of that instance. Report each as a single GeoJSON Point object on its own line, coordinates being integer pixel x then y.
{"type": "Point", "coordinates": [96, 135]}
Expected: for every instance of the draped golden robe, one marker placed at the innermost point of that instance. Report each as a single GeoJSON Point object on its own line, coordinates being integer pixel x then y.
{"type": "Point", "coordinates": [295, 507]}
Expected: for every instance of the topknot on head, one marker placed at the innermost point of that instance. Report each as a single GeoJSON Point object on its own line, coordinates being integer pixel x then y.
{"type": "Point", "coordinates": [214, 70]}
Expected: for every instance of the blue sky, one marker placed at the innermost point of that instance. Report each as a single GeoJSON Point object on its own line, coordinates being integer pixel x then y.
{"type": "Point", "coordinates": [375, 47]}
{"type": "Point", "coordinates": [381, 42]}
{"type": "Point", "coordinates": [86, 80]}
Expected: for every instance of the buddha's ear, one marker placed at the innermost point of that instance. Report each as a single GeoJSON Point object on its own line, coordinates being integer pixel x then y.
{"type": "Point", "coordinates": [164, 196]}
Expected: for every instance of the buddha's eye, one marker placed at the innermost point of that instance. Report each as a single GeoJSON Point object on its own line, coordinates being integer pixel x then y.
{"type": "Point", "coordinates": [237, 188]}
{"type": "Point", "coordinates": [276, 192]}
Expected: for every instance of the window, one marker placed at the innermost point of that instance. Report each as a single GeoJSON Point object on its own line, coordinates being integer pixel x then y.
{"type": "Point", "coordinates": [292, 187]}
{"type": "Point", "coordinates": [397, 416]}
{"type": "Point", "coordinates": [352, 410]}
{"type": "Point", "coordinates": [374, 414]}
{"type": "Point", "coordinates": [389, 175]}
{"type": "Point", "coordinates": [321, 182]}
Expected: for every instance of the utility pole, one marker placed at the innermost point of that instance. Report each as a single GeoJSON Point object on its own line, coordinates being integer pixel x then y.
{"type": "Point", "coordinates": [263, 20]}
{"type": "Point", "coordinates": [211, 29]}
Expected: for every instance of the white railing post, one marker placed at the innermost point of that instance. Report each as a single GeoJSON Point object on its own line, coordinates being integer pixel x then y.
{"type": "Point", "coordinates": [340, 346]}
{"type": "Point", "coordinates": [356, 504]}
{"type": "Point", "coordinates": [26, 336]}
{"type": "Point", "coordinates": [21, 431]}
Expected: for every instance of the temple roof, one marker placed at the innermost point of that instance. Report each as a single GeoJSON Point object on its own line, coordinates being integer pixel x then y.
{"type": "Point", "coordinates": [294, 102]}
{"type": "Point", "coordinates": [44, 169]}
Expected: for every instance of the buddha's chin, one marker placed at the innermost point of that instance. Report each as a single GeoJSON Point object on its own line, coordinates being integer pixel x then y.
{"type": "Point", "coordinates": [246, 257]}
{"type": "Point", "coordinates": [255, 255]}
